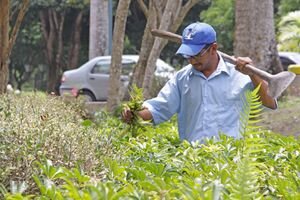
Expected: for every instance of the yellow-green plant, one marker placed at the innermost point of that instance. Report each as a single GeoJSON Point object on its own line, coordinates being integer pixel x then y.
{"type": "Point", "coordinates": [135, 105]}
{"type": "Point", "coordinates": [245, 181]}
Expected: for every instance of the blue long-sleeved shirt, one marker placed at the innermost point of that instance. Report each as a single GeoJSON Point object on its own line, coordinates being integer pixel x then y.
{"type": "Point", "coordinates": [205, 106]}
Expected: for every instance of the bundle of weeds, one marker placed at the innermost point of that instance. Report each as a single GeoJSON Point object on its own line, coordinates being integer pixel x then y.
{"type": "Point", "coordinates": [135, 105]}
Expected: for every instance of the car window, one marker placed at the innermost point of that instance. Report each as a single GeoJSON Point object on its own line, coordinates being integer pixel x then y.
{"type": "Point", "coordinates": [285, 62]}
{"type": "Point", "coordinates": [127, 66]}
{"type": "Point", "coordinates": [296, 58]}
{"type": "Point", "coordinates": [101, 67]}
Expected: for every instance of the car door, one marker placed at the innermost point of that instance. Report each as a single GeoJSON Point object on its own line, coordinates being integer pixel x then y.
{"type": "Point", "coordinates": [98, 79]}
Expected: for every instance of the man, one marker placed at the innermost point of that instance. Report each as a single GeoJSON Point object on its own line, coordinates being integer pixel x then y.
{"type": "Point", "coordinates": [208, 93]}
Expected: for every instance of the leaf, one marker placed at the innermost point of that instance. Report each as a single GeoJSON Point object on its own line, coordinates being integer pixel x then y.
{"type": "Point", "coordinates": [137, 174]}
{"type": "Point", "coordinates": [87, 123]}
{"type": "Point", "coordinates": [148, 186]}
{"type": "Point", "coordinates": [244, 184]}
{"type": "Point", "coordinates": [156, 168]}
{"type": "Point", "coordinates": [116, 169]}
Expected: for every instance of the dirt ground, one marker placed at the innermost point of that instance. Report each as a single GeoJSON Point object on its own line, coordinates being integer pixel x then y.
{"type": "Point", "coordinates": [286, 119]}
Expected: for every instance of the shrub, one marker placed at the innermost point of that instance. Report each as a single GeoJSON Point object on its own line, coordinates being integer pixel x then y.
{"type": "Point", "coordinates": [152, 165]}
{"type": "Point", "coordinates": [34, 127]}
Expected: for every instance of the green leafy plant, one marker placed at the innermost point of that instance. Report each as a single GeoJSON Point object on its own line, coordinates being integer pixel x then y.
{"type": "Point", "coordinates": [245, 181]}
{"type": "Point", "coordinates": [155, 165]}
{"type": "Point", "coordinates": [135, 105]}
{"type": "Point", "coordinates": [289, 27]}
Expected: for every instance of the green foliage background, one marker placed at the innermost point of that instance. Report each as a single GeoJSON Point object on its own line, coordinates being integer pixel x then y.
{"type": "Point", "coordinates": [220, 15]}
{"type": "Point", "coordinates": [289, 29]}
{"type": "Point", "coordinates": [27, 50]}
{"type": "Point", "coordinates": [224, 25]}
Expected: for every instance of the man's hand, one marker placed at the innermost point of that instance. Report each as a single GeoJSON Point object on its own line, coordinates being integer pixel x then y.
{"type": "Point", "coordinates": [266, 99]}
{"type": "Point", "coordinates": [241, 63]}
{"type": "Point", "coordinates": [127, 115]}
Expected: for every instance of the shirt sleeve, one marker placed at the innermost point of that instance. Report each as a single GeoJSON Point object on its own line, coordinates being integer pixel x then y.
{"type": "Point", "coordinates": [166, 104]}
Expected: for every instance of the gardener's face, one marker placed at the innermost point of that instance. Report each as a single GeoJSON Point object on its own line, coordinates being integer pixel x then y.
{"type": "Point", "coordinates": [202, 61]}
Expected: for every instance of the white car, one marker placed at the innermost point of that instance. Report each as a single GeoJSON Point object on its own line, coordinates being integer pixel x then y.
{"type": "Point", "coordinates": [289, 58]}
{"type": "Point", "coordinates": [92, 78]}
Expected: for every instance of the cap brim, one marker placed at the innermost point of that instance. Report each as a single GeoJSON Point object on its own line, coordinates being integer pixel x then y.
{"type": "Point", "coordinates": [189, 49]}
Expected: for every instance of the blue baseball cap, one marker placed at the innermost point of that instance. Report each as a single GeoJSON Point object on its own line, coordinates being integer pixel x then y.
{"type": "Point", "coordinates": [195, 37]}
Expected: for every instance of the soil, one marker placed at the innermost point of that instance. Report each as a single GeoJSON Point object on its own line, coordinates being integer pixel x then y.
{"type": "Point", "coordinates": [285, 119]}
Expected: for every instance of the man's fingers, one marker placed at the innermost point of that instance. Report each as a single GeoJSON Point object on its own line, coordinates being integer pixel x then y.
{"type": "Point", "coordinates": [127, 115]}
{"type": "Point", "coordinates": [241, 62]}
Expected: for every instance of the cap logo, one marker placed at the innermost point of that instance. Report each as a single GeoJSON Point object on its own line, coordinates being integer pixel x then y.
{"type": "Point", "coordinates": [189, 35]}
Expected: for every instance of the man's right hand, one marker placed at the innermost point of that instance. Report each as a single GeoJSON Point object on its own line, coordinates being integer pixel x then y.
{"type": "Point", "coordinates": [127, 115]}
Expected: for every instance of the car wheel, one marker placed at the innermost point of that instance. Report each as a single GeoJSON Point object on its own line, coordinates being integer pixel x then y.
{"type": "Point", "coordinates": [86, 96]}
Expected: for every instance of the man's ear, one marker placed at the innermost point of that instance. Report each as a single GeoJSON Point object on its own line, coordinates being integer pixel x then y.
{"type": "Point", "coordinates": [214, 47]}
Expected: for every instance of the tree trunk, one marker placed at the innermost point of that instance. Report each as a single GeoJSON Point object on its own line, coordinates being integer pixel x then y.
{"type": "Point", "coordinates": [52, 28]}
{"type": "Point", "coordinates": [146, 46]}
{"type": "Point", "coordinates": [170, 13]}
{"type": "Point", "coordinates": [116, 62]}
{"type": "Point", "coordinates": [75, 42]}
{"type": "Point", "coordinates": [255, 34]}
{"type": "Point", "coordinates": [4, 38]}
{"type": "Point", "coordinates": [7, 41]}
{"type": "Point", "coordinates": [99, 31]}
{"type": "Point", "coordinates": [165, 15]}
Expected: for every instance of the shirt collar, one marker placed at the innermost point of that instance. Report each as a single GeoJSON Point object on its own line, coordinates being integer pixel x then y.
{"type": "Point", "coordinates": [222, 66]}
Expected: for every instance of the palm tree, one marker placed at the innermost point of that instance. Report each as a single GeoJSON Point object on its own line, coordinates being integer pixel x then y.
{"type": "Point", "coordinates": [289, 32]}
{"type": "Point", "coordinates": [255, 34]}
